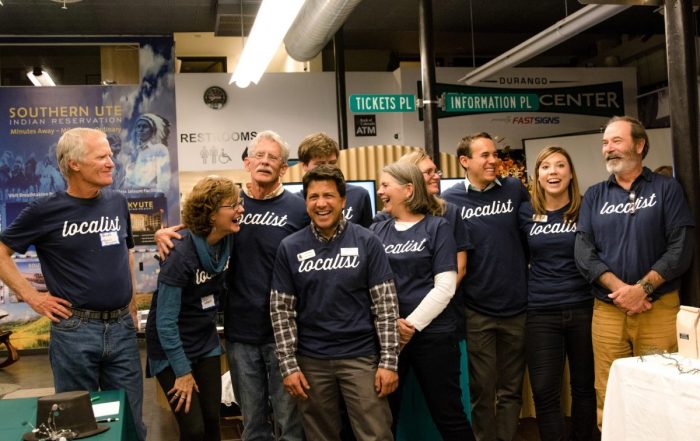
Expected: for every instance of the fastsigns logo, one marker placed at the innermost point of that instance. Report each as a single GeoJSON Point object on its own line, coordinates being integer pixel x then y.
{"type": "Point", "coordinates": [523, 120]}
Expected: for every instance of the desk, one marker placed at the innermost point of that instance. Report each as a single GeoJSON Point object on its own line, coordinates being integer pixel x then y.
{"type": "Point", "coordinates": [14, 412]}
{"type": "Point", "coordinates": [649, 399]}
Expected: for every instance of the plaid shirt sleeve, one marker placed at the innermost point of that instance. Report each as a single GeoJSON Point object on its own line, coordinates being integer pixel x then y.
{"type": "Point", "coordinates": [385, 308]}
{"type": "Point", "coordinates": [284, 325]}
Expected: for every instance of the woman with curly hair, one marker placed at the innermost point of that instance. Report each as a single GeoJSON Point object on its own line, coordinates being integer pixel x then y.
{"type": "Point", "coordinates": [182, 342]}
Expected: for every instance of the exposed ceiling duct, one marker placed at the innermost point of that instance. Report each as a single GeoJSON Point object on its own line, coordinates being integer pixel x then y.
{"type": "Point", "coordinates": [315, 25]}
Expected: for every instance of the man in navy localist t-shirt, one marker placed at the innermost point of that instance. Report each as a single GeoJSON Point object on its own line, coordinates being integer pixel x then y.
{"type": "Point", "coordinates": [633, 243]}
{"type": "Point", "coordinates": [271, 214]}
{"type": "Point", "coordinates": [334, 311]}
{"type": "Point", "coordinates": [494, 288]}
{"type": "Point", "coordinates": [82, 237]}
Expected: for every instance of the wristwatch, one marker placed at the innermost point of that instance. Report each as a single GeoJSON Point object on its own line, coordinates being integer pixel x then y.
{"type": "Point", "coordinates": [646, 286]}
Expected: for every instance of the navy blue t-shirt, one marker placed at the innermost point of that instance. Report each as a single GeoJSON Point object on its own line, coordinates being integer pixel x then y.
{"type": "Point", "coordinates": [331, 281]}
{"type": "Point", "coordinates": [459, 230]}
{"type": "Point", "coordinates": [263, 226]}
{"type": "Point", "coordinates": [553, 279]}
{"type": "Point", "coordinates": [630, 240]}
{"type": "Point", "coordinates": [82, 245]}
{"type": "Point", "coordinates": [496, 282]}
{"type": "Point", "coordinates": [201, 293]}
{"type": "Point", "coordinates": [358, 205]}
{"type": "Point", "coordinates": [416, 255]}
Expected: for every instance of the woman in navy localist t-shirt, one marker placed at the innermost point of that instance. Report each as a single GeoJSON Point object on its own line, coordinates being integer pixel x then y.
{"type": "Point", "coordinates": [422, 254]}
{"type": "Point", "coordinates": [560, 304]}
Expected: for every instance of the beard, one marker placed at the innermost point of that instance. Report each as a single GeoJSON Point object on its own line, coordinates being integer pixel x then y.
{"type": "Point", "coordinates": [621, 165]}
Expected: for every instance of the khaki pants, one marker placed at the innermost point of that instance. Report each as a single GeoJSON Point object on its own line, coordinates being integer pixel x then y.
{"type": "Point", "coordinates": [617, 335]}
{"type": "Point", "coordinates": [353, 378]}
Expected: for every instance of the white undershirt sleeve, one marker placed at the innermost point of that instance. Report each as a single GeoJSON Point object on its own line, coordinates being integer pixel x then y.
{"type": "Point", "coordinates": [435, 301]}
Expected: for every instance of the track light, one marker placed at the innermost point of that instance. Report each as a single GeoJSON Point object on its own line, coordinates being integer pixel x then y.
{"type": "Point", "coordinates": [272, 22]}
{"type": "Point", "coordinates": [40, 77]}
{"type": "Point", "coordinates": [561, 31]}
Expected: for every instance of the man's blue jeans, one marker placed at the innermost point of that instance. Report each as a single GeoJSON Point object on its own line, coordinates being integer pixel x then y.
{"type": "Point", "coordinates": [98, 355]}
{"type": "Point", "coordinates": [257, 381]}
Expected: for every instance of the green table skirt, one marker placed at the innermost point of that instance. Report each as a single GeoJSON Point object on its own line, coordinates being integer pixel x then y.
{"type": "Point", "coordinates": [14, 414]}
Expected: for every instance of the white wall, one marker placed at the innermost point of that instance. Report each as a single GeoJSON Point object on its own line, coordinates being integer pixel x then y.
{"type": "Point", "coordinates": [292, 104]}
{"type": "Point", "coordinates": [585, 152]}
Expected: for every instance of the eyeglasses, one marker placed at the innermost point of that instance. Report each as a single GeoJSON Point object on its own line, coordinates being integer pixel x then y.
{"type": "Point", "coordinates": [430, 173]}
{"type": "Point", "coordinates": [259, 156]}
{"type": "Point", "coordinates": [632, 198]}
{"type": "Point", "coordinates": [240, 202]}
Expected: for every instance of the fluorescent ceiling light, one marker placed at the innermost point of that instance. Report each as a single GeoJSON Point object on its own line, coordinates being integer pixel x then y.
{"type": "Point", "coordinates": [271, 25]}
{"type": "Point", "coordinates": [40, 77]}
{"type": "Point", "coordinates": [561, 31]}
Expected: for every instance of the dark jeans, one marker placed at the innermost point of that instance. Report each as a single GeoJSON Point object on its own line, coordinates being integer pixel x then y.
{"type": "Point", "coordinates": [435, 360]}
{"type": "Point", "coordinates": [202, 421]}
{"type": "Point", "coordinates": [551, 336]}
{"type": "Point", "coordinates": [496, 347]}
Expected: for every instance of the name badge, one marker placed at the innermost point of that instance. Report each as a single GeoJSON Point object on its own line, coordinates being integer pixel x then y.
{"type": "Point", "coordinates": [539, 218]}
{"type": "Point", "coordinates": [349, 251]}
{"type": "Point", "coordinates": [109, 238]}
{"type": "Point", "coordinates": [208, 301]}
{"type": "Point", "coordinates": [306, 255]}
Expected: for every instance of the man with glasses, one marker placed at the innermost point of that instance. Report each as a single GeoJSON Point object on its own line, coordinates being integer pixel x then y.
{"type": "Point", "coordinates": [633, 244]}
{"type": "Point", "coordinates": [271, 214]}
{"type": "Point", "coordinates": [318, 149]}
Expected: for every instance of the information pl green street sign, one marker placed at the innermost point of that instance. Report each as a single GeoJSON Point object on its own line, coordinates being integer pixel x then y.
{"type": "Point", "coordinates": [382, 103]}
{"type": "Point", "coordinates": [491, 102]}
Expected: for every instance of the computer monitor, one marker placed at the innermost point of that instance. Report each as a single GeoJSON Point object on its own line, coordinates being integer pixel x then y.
{"type": "Point", "coordinates": [369, 185]}
{"type": "Point", "coordinates": [294, 187]}
{"type": "Point", "coordinates": [446, 183]}
{"type": "Point", "coordinates": [371, 188]}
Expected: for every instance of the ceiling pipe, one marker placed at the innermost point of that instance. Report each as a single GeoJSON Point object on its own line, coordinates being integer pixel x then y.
{"type": "Point", "coordinates": [559, 32]}
{"type": "Point", "coordinates": [315, 25]}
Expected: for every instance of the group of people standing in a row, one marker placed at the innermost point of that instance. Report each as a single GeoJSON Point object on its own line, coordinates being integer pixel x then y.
{"type": "Point", "coordinates": [323, 314]}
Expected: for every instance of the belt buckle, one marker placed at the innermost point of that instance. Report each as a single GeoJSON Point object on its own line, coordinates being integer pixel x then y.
{"type": "Point", "coordinates": [105, 315]}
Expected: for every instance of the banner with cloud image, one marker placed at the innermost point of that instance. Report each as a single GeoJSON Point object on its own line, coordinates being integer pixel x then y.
{"type": "Point", "coordinates": [139, 121]}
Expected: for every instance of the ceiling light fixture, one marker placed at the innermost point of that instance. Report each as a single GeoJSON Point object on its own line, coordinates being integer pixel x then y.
{"type": "Point", "coordinates": [561, 31]}
{"type": "Point", "coordinates": [63, 2]}
{"type": "Point", "coordinates": [272, 22]}
{"type": "Point", "coordinates": [40, 77]}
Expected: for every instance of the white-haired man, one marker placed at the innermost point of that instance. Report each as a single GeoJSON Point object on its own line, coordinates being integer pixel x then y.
{"type": "Point", "coordinates": [82, 237]}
